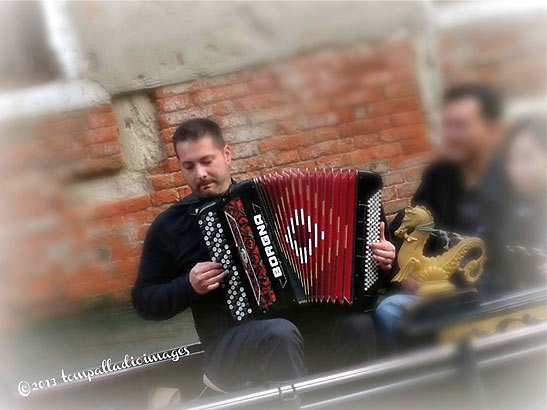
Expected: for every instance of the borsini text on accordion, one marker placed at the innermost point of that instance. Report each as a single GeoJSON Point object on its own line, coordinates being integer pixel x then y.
{"type": "Point", "coordinates": [295, 237]}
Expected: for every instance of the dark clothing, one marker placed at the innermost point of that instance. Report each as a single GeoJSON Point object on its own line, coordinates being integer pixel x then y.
{"type": "Point", "coordinates": [255, 351]}
{"type": "Point", "coordinates": [473, 212]}
{"type": "Point", "coordinates": [523, 241]}
{"type": "Point", "coordinates": [277, 349]}
{"type": "Point", "coordinates": [173, 245]}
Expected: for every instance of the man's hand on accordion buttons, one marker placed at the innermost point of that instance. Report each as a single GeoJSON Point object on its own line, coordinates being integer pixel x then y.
{"type": "Point", "coordinates": [206, 276]}
{"type": "Point", "coordinates": [383, 251]}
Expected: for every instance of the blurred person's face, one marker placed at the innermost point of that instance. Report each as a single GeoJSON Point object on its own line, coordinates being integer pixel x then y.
{"type": "Point", "coordinates": [527, 165]}
{"type": "Point", "coordinates": [466, 133]}
{"type": "Point", "coordinates": [205, 166]}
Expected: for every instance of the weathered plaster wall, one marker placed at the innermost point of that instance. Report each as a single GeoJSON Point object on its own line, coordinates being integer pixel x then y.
{"type": "Point", "coordinates": [136, 45]}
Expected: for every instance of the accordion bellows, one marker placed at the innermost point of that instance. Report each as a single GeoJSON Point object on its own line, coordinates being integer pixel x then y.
{"type": "Point", "coordinates": [295, 237]}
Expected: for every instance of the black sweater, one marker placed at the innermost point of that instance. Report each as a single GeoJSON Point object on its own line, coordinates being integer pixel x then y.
{"type": "Point", "coordinates": [173, 245]}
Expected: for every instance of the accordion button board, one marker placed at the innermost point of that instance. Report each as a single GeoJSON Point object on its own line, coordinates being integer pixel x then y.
{"type": "Point", "coordinates": [295, 237]}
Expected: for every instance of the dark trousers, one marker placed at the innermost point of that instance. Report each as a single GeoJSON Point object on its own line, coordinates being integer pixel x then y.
{"type": "Point", "coordinates": [305, 342]}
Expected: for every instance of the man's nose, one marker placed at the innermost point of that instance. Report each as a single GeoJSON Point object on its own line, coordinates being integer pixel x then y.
{"type": "Point", "coordinates": [201, 172]}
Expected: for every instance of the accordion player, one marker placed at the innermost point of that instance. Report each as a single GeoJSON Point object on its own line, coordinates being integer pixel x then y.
{"type": "Point", "coordinates": [295, 237]}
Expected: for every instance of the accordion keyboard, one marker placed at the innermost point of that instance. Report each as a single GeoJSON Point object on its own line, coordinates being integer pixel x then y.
{"type": "Point", "coordinates": [219, 249]}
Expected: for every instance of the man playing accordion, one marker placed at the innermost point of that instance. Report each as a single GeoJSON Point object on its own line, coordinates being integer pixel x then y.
{"type": "Point", "coordinates": [176, 272]}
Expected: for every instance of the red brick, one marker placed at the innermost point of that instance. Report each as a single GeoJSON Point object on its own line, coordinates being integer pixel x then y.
{"type": "Point", "coordinates": [244, 150]}
{"type": "Point", "coordinates": [286, 157]}
{"type": "Point", "coordinates": [338, 160]}
{"type": "Point", "coordinates": [98, 120]}
{"type": "Point", "coordinates": [68, 126]}
{"type": "Point", "coordinates": [389, 193]}
{"type": "Point", "coordinates": [262, 84]}
{"type": "Point", "coordinates": [399, 90]}
{"type": "Point", "coordinates": [379, 152]}
{"type": "Point", "coordinates": [359, 97]}
{"type": "Point", "coordinates": [326, 148]}
{"type": "Point", "coordinates": [393, 178]}
{"type": "Point", "coordinates": [288, 127]}
{"type": "Point", "coordinates": [122, 207]}
{"type": "Point", "coordinates": [402, 133]}
{"type": "Point", "coordinates": [184, 191]}
{"type": "Point", "coordinates": [220, 93]}
{"type": "Point", "coordinates": [59, 142]}
{"type": "Point", "coordinates": [316, 107]}
{"type": "Point", "coordinates": [167, 196]}
{"type": "Point", "coordinates": [393, 106]}
{"type": "Point", "coordinates": [344, 116]}
{"type": "Point", "coordinates": [392, 207]}
{"type": "Point", "coordinates": [273, 114]}
{"type": "Point", "coordinates": [285, 142]}
{"type": "Point", "coordinates": [97, 135]}
{"type": "Point", "coordinates": [152, 213]}
{"type": "Point", "coordinates": [178, 117]}
{"type": "Point", "coordinates": [415, 145]}
{"type": "Point", "coordinates": [324, 134]}
{"type": "Point", "coordinates": [167, 134]}
{"type": "Point", "coordinates": [413, 174]}
{"type": "Point", "coordinates": [407, 190]}
{"type": "Point", "coordinates": [250, 164]}
{"type": "Point", "coordinates": [257, 101]}
{"type": "Point", "coordinates": [231, 121]}
{"type": "Point", "coordinates": [132, 264]}
{"type": "Point", "coordinates": [365, 127]}
{"type": "Point", "coordinates": [175, 102]}
{"type": "Point", "coordinates": [410, 161]}
{"type": "Point", "coordinates": [161, 182]}
{"type": "Point", "coordinates": [376, 78]}
{"type": "Point", "coordinates": [407, 118]}
{"type": "Point", "coordinates": [366, 141]}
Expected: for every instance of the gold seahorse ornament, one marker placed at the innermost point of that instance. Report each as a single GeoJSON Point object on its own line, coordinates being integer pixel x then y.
{"type": "Point", "coordinates": [433, 273]}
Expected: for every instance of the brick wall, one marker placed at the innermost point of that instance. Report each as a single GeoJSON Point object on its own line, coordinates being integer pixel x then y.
{"type": "Point", "coordinates": [510, 54]}
{"type": "Point", "coordinates": [355, 107]}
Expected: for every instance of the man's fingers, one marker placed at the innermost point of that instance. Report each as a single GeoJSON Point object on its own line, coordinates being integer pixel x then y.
{"type": "Point", "coordinates": [210, 273]}
{"type": "Point", "coordinates": [213, 286]}
{"type": "Point", "coordinates": [206, 266]}
{"type": "Point", "coordinates": [215, 279]}
{"type": "Point", "coordinates": [382, 233]}
{"type": "Point", "coordinates": [386, 246]}
{"type": "Point", "coordinates": [384, 253]}
{"type": "Point", "coordinates": [380, 259]}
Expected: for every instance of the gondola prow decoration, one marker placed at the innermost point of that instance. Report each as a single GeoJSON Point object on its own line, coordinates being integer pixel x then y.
{"type": "Point", "coordinates": [434, 272]}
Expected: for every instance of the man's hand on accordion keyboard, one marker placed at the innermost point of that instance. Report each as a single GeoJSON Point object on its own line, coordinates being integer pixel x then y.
{"type": "Point", "coordinates": [206, 276]}
{"type": "Point", "coordinates": [383, 251]}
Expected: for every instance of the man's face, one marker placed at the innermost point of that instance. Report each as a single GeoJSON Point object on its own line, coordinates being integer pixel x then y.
{"type": "Point", "coordinates": [466, 133]}
{"type": "Point", "coordinates": [205, 166]}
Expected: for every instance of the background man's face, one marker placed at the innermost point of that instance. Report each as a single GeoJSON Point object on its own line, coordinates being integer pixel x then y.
{"type": "Point", "coordinates": [205, 166]}
{"type": "Point", "coordinates": [466, 133]}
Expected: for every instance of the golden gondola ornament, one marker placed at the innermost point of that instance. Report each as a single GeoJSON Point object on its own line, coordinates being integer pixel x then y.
{"type": "Point", "coordinates": [434, 272]}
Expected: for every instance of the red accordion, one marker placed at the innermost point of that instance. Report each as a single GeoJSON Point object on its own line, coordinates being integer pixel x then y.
{"type": "Point", "coordinates": [295, 237]}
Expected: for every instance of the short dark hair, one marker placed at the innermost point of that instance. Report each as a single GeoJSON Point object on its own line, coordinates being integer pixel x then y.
{"type": "Point", "coordinates": [488, 99]}
{"type": "Point", "coordinates": [197, 128]}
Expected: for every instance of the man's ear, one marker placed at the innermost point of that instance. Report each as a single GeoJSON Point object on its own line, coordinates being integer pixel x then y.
{"type": "Point", "coordinates": [228, 154]}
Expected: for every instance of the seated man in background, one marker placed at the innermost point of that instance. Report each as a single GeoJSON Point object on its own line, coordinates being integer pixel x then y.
{"type": "Point", "coordinates": [176, 272]}
{"type": "Point", "coordinates": [464, 190]}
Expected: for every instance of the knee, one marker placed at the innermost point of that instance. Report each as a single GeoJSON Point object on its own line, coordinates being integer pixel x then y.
{"type": "Point", "coordinates": [388, 311]}
{"type": "Point", "coordinates": [282, 332]}
{"type": "Point", "coordinates": [357, 325]}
